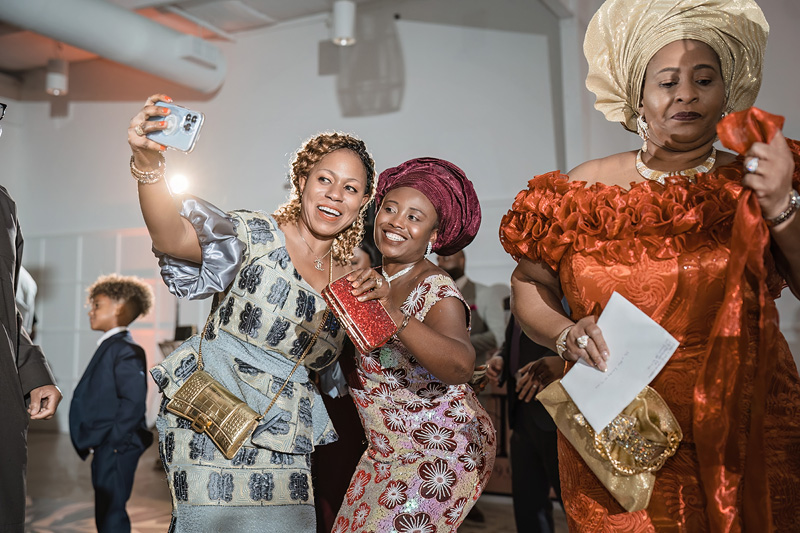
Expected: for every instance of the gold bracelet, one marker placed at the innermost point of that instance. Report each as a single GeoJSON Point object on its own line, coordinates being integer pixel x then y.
{"type": "Point", "coordinates": [561, 341]}
{"type": "Point", "coordinates": [794, 205]}
{"type": "Point", "coordinates": [151, 176]}
{"type": "Point", "coordinates": [406, 319]}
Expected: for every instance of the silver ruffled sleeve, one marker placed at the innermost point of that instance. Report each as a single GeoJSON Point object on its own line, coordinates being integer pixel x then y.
{"type": "Point", "coordinates": [222, 253]}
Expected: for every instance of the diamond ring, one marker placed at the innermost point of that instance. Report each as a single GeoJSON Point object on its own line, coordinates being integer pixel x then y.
{"type": "Point", "coordinates": [138, 130]}
{"type": "Point", "coordinates": [582, 341]}
{"type": "Point", "coordinates": [379, 282]}
{"type": "Point", "coordinates": [752, 165]}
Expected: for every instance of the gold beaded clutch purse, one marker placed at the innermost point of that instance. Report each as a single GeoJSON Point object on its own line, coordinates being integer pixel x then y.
{"type": "Point", "coordinates": [625, 455]}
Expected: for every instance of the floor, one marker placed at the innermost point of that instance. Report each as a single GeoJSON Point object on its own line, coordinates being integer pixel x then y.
{"type": "Point", "coordinates": [60, 496]}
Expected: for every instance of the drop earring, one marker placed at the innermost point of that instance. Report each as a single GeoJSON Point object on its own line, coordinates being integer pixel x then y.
{"type": "Point", "coordinates": [429, 248]}
{"type": "Point", "coordinates": [641, 129]}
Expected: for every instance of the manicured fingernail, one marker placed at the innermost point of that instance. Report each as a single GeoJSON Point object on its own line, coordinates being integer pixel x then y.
{"type": "Point", "coordinates": [167, 98]}
{"type": "Point", "coordinates": [605, 356]}
{"type": "Point", "coordinates": [162, 123]}
{"type": "Point", "coordinates": [165, 110]}
{"type": "Point", "coordinates": [162, 147]}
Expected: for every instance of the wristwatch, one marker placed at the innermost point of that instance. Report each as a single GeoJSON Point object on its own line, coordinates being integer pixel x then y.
{"type": "Point", "coordinates": [794, 205]}
{"type": "Point", "coordinates": [561, 342]}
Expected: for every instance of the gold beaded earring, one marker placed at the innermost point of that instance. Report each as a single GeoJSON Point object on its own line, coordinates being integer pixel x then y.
{"type": "Point", "coordinates": [641, 129]}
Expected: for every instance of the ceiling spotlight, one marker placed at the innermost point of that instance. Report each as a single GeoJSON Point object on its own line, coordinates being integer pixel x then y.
{"type": "Point", "coordinates": [57, 79]}
{"type": "Point", "coordinates": [344, 22]}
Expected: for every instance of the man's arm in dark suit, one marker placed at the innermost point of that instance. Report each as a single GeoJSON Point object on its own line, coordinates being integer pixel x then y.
{"type": "Point", "coordinates": [33, 369]}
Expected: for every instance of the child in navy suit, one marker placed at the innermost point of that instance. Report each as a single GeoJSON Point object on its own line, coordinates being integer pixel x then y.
{"type": "Point", "coordinates": [106, 417]}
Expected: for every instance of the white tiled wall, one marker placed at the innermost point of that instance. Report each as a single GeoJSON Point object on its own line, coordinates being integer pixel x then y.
{"type": "Point", "coordinates": [63, 267]}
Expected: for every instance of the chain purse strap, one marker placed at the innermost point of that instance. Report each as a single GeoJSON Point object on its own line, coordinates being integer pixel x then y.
{"type": "Point", "coordinates": [307, 349]}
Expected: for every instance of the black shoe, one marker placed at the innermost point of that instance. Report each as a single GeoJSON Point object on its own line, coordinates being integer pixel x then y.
{"type": "Point", "coordinates": [475, 515]}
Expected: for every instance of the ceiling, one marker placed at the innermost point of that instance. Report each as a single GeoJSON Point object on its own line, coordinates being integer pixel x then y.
{"type": "Point", "coordinates": [113, 42]}
{"type": "Point", "coordinates": [22, 51]}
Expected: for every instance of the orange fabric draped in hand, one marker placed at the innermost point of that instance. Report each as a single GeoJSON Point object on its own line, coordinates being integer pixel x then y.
{"type": "Point", "coordinates": [719, 386]}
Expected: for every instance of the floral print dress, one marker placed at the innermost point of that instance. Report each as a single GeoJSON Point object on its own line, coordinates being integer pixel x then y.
{"type": "Point", "coordinates": [431, 445]}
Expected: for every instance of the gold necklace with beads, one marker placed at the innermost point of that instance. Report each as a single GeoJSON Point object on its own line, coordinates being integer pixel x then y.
{"type": "Point", "coordinates": [690, 173]}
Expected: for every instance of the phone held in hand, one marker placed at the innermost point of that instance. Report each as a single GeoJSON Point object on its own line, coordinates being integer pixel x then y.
{"type": "Point", "coordinates": [183, 127]}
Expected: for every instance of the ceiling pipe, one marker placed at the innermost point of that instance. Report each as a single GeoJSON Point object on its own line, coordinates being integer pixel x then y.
{"type": "Point", "coordinates": [123, 36]}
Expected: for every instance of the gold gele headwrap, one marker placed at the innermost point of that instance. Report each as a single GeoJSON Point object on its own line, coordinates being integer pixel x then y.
{"type": "Point", "coordinates": [624, 35]}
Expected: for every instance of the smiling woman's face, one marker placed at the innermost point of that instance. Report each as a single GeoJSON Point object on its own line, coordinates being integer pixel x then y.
{"type": "Point", "coordinates": [404, 224]}
{"type": "Point", "coordinates": [683, 96]}
{"type": "Point", "coordinates": [333, 193]}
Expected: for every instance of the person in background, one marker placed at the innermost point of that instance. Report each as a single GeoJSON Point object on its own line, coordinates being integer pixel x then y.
{"type": "Point", "coordinates": [485, 302]}
{"type": "Point", "coordinates": [431, 444]}
{"type": "Point", "coordinates": [27, 386]}
{"type": "Point", "coordinates": [26, 300]}
{"type": "Point", "coordinates": [526, 368]}
{"type": "Point", "coordinates": [107, 413]}
{"type": "Point", "coordinates": [700, 240]}
{"type": "Point", "coordinates": [365, 255]}
{"type": "Point", "coordinates": [265, 273]}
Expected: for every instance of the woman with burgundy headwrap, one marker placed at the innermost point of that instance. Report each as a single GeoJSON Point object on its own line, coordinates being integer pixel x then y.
{"type": "Point", "coordinates": [431, 444]}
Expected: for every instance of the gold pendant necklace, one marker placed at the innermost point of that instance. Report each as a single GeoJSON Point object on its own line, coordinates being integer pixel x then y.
{"type": "Point", "coordinates": [690, 173]}
{"type": "Point", "coordinates": [318, 261]}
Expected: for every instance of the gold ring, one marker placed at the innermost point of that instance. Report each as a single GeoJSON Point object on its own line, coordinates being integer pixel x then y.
{"type": "Point", "coordinates": [139, 131]}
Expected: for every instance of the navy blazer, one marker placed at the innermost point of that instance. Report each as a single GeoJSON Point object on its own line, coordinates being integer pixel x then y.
{"type": "Point", "coordinates": [108, 405]}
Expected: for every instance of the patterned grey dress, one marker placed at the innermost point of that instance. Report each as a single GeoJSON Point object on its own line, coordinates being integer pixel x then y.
{"type": "Point", "coordinates": [264, 321]}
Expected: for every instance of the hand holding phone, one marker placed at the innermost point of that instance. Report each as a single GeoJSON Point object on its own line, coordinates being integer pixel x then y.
{"type": "Point", "coordinates": [183, 127]}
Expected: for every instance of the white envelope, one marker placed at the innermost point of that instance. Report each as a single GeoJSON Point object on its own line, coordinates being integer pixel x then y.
{"type": "Point", "coordinates": [638, 349]}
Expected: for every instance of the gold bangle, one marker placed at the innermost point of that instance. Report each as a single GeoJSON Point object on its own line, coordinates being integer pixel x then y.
{"type": "Point", "coordinates": [561, 341]}
{"type": "Point", "coordinates": [794, 205]}
{"type": "Point", "coordinates": [406, 319]}
{"type": "Point", "coordinates": [151, 176]}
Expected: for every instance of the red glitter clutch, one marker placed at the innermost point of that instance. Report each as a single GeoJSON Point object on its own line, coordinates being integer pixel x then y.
{"type": "Point", "coordinates": [368, 324]}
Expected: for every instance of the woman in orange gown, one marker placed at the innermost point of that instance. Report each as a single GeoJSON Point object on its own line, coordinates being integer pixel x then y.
{"type": "Point", "coordinates": [701, 240]}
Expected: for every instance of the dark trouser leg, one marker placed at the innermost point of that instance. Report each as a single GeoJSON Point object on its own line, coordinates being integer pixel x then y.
{"type": "Point", "coordinates": [530, 483]}
{"type": "Point", "coordinates": [548, 450]}
{"type": "Point", "coordinates": [112, 478]}
{"type": "Point", "coordinates": [13, 449]}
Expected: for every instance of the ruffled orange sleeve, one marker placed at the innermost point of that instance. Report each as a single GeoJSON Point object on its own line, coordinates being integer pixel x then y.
{"type": "Point", "coordinates": [536, 227]}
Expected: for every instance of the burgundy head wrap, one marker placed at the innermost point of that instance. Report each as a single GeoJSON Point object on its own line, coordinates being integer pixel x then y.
{"type": "Point", "coordinates": [450, 192]}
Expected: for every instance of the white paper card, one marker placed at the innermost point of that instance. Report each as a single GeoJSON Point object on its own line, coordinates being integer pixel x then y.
{"type": "Point", "coordinates": [638, 349]}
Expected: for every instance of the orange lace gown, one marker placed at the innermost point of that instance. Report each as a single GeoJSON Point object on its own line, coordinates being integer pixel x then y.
{"type": "Point", "coordinates": [667, 249]}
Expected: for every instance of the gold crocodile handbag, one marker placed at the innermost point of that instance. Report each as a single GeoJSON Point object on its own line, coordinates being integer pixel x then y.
{"type": "Point", "coordinates": [214, 410]}
{"type": "Point", "coordinates": [627, 452]}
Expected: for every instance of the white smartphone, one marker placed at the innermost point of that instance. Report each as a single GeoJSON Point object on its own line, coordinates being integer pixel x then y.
{"type": "Point", "coordinates": [183, 127]}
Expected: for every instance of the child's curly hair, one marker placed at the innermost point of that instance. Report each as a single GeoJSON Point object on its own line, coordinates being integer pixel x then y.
{"type": "Point", "coordinates": [309, 155]}
{"type": "Point", "coordinates": [137, 295]}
